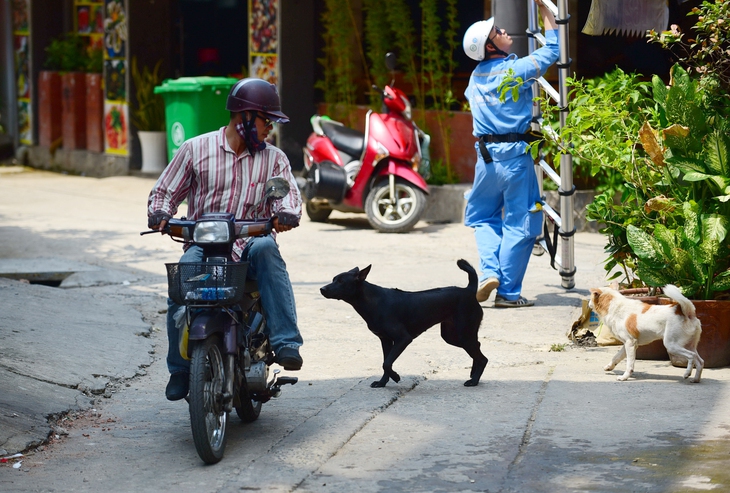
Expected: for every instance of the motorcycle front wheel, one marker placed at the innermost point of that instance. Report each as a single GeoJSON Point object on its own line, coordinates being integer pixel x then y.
{"type": "Point", "coordinates": [317, 213]}
{"type": "Point", "coordinates": [207, 415]}
{"type": "Point", "coordinates": [398, 213]}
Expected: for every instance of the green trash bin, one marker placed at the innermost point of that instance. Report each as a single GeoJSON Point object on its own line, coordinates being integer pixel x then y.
{"type": "Point", "coordinates": [193, 106]}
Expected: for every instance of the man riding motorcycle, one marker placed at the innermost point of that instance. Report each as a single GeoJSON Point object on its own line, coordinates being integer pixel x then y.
{"type": "Point", "coordinates": [225, 171]}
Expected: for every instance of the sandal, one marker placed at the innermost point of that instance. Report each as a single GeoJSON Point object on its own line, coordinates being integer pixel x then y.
{"type": "Point", "coordinates": [520, 302]}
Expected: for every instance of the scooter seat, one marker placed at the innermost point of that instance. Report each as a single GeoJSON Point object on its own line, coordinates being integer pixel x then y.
{"type": "Point", "coordinates": [347, 140]}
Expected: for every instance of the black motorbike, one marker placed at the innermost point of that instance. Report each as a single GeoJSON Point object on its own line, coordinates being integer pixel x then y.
{"type": "Point", "coordinates": [223, 333]}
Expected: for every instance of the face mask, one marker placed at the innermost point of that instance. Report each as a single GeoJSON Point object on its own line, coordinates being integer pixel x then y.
{"type": "Point", "coordinates": [247, 131]}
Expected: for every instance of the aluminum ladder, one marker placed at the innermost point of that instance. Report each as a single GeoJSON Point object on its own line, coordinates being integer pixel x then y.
{"type": "Point", "coordinates": [563, 224]}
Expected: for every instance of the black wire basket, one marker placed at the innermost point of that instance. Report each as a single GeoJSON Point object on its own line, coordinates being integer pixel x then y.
{"type": "Point", "coordinates": [203, 283]}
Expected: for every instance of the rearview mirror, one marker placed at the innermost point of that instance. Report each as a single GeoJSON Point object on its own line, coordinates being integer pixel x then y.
{"type": "Point", "coordinates": [390, 61]}
{"type": "Point", "coordinates": [277, 188]}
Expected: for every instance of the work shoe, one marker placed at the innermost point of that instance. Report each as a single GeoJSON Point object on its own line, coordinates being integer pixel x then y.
{"type": "Point", "coordinates": [289, 358]}
{"type": "Point", "coordinates": [177, 387]}
{"type": "Point", "coordinates": [500, 302]}
{"type": "Point", "coordinates": [486, 288]}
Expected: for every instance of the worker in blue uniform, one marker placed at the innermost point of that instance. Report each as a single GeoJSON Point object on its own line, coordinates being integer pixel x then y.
{"type": "Point", "coordinates": [504, 205]}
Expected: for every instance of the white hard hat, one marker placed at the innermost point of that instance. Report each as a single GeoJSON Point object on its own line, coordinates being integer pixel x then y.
{"type": "Point", "coordinates": [475, 39]}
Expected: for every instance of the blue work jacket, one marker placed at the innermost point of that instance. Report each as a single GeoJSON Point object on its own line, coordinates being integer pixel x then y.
{"type": "Point", "coordinates": [494, 117]}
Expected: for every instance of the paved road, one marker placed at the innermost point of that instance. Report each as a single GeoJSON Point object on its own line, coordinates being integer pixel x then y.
{"type": "Point", "coordinates": [541, 420]}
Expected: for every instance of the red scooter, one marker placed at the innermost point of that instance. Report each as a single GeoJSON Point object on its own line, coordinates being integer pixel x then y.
{"type": "Point", "coordinates": [376, 172]}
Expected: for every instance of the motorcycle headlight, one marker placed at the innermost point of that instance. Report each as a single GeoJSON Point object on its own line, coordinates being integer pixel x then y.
{"type": "Point", "coordinates": [212, 232]}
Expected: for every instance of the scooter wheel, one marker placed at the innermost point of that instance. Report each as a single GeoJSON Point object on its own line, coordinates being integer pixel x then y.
{"type": "Point", "coordinates": [246, 408]}
{"type": "Point", "coordinates": [395, 214]}
{"type": "Point", "coordinates": [316, 213]}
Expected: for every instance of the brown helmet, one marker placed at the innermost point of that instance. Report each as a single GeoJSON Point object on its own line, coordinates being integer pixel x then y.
{"type": "Point", "coordinates": [256, 95]}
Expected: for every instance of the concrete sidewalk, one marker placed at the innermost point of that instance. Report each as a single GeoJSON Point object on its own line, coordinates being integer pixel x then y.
{"type": "Point", "coordinates": [545, 417]}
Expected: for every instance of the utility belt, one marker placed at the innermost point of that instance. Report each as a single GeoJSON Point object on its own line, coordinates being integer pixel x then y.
{"type": "Point", "coordinates": [528, 137]}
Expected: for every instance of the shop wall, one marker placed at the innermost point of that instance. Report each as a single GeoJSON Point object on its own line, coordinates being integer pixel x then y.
{"type": "Point", "coordinates": [297, 64]}
{"type": "Point", "coordinates": [49, 19]}
{"type": "Point", "coordinates": [153, 35]}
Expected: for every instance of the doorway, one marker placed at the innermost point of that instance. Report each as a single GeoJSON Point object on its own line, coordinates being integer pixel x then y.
{"type": "Point", "coordinates": [214, 37]}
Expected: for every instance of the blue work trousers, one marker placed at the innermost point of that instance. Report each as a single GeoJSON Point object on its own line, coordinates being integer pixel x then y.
{"type": "Point", "coordinates": [267, 267]}
{"type": "Point", "coordinates": [502, 208]}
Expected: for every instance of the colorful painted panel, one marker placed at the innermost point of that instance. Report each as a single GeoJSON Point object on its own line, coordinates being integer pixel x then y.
{"type": "Point", "coordinates": [115, 78]}
{"type": "Point", "coordinates": [116, 128]}
{"type": "Point", "coordinates": [263, 39]}
{"type": "Point", "coordinates": [115, 29]}
{"type": "Point", "coordinates": [116, 106]}
{"type": "Point", "coordinates": [22, 66]}
{"type": "Point", "coordinates": [25, 120]}
{"type": "Point", "coordinates": [263, 42]}
{"type": "Point", "coordinates": [19, 8]}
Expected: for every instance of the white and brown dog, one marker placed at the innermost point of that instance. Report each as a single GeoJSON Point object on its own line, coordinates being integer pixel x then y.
{"type": "Point", "coordinates": [636, 323]}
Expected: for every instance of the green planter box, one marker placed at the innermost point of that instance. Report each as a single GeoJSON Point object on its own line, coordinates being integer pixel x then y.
{"type": "Point", "coordinates": [193, 106]}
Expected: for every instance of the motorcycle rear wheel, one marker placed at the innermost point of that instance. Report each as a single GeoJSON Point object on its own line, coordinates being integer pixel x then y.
{"type": "Point", "coordinates": [397, 214]}
{"type": "Point", "coordinates": [246, 408]}
{"type": "Point", "coordinates": [207, 416]}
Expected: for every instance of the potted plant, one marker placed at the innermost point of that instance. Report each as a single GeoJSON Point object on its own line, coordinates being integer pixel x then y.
{"type": "Point", "coordinates": [149, 117]}
{"type": "Point", "coordinates": [61, 56]}
{"type": "Point", "coordinates": [68, 55]}
{"type": "Point", "coordinates": [670, 144]}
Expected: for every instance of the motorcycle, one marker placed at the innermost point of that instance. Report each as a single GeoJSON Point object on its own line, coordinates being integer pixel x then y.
{"type": "Point", "coordinates": [223, 334]}
{"type": "Point", "coordinates": [376, 172]}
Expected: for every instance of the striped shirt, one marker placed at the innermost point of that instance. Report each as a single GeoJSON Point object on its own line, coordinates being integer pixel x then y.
{"type": "Point", "coordinates": [207, 172]}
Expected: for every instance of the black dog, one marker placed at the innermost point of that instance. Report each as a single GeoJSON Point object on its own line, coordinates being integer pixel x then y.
{"type": "Point", "coordinates": [397, 317]}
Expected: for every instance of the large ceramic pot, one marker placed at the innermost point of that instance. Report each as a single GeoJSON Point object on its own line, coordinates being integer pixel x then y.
{"type": "Point", "coordinates": [154, 151]}
{"type": "Point", "coordinates": [49, 108]}
{"type": "Point", "coordinates": [714, 346]}
{"type": "Point", "coordinates": [94, 113]}
{"type": "Point", "coordinates": [74, 110]}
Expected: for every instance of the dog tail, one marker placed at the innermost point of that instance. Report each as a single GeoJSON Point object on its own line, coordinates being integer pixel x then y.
{"type": "Point", "coordinates": [688, 309]}
{"type": "Point", "coordinates": [473, 278]}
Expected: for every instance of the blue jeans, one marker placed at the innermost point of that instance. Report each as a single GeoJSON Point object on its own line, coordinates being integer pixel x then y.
{"type": "Point", "coordinates": [501, 209]}
{"type": "Point", "coordinates": [267, 267]}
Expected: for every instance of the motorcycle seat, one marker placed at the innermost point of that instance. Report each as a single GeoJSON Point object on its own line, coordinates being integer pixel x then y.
{"type": "Point", "coordinates": [347, 140]}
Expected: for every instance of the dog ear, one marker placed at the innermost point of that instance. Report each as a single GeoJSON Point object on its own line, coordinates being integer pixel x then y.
{"type": "Point", "coordinates": [364, 273]}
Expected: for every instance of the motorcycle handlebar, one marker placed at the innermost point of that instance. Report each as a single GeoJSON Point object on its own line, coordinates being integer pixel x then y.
{"type": "Point", "coordinates": [183, 228]}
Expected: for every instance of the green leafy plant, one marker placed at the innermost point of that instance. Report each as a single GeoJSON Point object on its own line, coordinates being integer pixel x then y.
{"type": "Point", "coordinates": [67, 53]}
{"type": "Point", "coordinates": [149, 115]}
{"type": "Point", "coordinates": [705, 54]}
{"type": "Point", "coordinates": [379, 40]}
{"type": "Point", "coordinates": [341, 38]}
{"type": "Point", "coordinates": [670, 145]}
{"type": "Point", "coordinates": [671, 224]}
{"type": "Point", "coordinates": [601, 128]}
{"type": "Point", "coordinates": [437, 67]}
{"type": "Point", "coordinates": [425, 57]}
{"type": "Point", "coordinates": [95, 61]}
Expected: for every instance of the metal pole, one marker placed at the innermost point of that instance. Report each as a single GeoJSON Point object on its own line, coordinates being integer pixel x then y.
{"type": "Point", "coordinates": [567, 190]}
{"type": "Point", "coordinates": [8, 98]}
{"type": "Point", "coordinates": [534, 27]}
